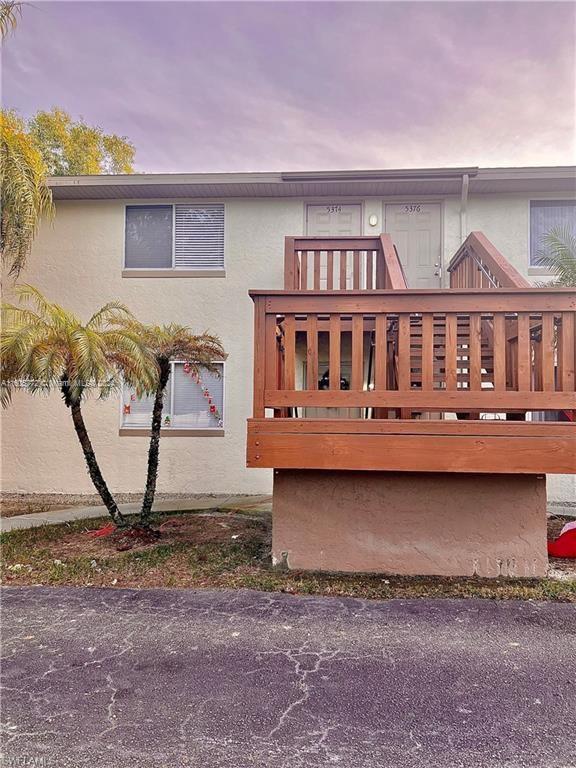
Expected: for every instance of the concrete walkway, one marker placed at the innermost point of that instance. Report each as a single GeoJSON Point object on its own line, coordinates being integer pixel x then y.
{"type": "Point", "coordinates": [193, 503]}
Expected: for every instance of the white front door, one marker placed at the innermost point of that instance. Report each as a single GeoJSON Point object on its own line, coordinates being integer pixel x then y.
{"type": "Point", "coordinates": [333, 220]}
{"type": "Point", "coordinates": [415, 231]}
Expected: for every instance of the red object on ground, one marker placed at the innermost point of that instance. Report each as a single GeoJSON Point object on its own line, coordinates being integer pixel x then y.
{"type": "Point", "coordinates": [564, 545]}
{"type": "Point", "coordinates": [106, 531]}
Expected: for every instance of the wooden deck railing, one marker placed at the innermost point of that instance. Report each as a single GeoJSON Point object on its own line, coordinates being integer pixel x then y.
{"type": "Point", "coordinates": [346, 263]}
{"type": "Point", "coordinates": [347, 358]}
{"type": "Point", "coordinates": [479, 264]}
{"type": "Point", "coordinates": [429, 350]}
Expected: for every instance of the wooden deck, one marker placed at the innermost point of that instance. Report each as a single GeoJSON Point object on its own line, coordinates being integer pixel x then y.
{"type": "Point", "coordinates": [409, 445]}
{"type": "Point", "coordinates": [356, 371]}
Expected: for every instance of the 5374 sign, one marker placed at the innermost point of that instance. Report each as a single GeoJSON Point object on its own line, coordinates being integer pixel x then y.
{"type": "Point", "coordinates": [334, 208]}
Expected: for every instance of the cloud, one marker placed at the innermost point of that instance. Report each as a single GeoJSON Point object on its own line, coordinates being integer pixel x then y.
{"type": "Point", "coordinates": [260, 86]}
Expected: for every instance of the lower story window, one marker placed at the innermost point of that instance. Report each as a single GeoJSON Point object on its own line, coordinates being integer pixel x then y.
{"type": "Point", "coordinates": [191, 401]}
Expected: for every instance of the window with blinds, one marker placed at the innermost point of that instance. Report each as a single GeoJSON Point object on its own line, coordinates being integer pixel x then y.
{"type": "Point", "coordinates": [180, 237]}
{"type": "Point", "coordinates": [545, 216]}
{"type": "Point", "coordinates": [190, 401]}
{"type": "Point", "coordinates": [199, 241]}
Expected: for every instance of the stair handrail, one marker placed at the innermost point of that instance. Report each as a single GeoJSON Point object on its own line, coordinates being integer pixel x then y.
{"type": "Point", "coordinates": [492, 263]}
{"type": "Point", "coordinates": [394, 276]}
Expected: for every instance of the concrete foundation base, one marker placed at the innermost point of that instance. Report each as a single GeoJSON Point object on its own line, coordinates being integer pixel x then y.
{"type": "Point", "coordinates": [412, 524]}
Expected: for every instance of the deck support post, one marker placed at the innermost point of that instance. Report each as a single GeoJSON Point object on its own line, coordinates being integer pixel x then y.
{"type": "Point", "coordinates": [444, 524]}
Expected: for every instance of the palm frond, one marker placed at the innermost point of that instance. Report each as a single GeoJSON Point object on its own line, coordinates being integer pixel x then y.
{"type": "Point", "coordinates": [559, 256]}
{"type": "Point", "coordinates": [10, 11]}
{"type": "Point", "coordinates": [45, 347]}
{"type": "Point", "coordinates": [25, 196]}
{"type": "Point", "coordinates": [178, 342]}
{"type": "Point", "coordinates": [112, 312]}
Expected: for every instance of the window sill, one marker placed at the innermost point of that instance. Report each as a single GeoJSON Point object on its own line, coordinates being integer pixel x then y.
{"type": "Point", "coordinates": [172, 432]}
{"type": "Point", "coordinates": [539, 271]}
{"type": "Point", "coordinates": [173, 273]}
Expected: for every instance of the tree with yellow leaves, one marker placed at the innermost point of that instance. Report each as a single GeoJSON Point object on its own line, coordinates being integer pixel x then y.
{"type": "Point", "coordinates": [74, 148]}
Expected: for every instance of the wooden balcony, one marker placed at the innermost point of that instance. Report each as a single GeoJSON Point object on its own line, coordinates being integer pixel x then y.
{"type": "Point", "coordinates": [355, 371]}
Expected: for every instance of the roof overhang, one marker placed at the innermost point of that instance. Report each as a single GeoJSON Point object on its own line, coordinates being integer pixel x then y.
{"type": "Point", "coordinates": [309, 184]}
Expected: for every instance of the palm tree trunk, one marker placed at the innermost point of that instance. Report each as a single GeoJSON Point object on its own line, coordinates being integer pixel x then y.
{"type": "Point", "coordinates": [92, 464]}
{"type": "Point", "coordinates": [154, 448]}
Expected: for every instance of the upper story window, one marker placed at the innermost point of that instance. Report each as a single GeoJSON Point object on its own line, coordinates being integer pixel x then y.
{"type": "Point", "coordinates": [183, 238]}
{"type": "Point", "coordinates": [546, 215]}
{"type": "Point", "coordinates": [191, 402]}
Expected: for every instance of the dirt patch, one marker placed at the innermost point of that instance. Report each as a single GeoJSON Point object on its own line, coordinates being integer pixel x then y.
{"type": "Point", "coordinates": [183, 530]}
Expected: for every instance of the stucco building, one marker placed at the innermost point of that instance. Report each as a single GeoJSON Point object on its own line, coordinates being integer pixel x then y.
{"type": "Point", "coordinates": [186, 248]}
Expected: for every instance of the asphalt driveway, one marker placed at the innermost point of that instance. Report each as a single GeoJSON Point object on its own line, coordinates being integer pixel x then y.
{"type": "Point", "coordinates": [122, 678]}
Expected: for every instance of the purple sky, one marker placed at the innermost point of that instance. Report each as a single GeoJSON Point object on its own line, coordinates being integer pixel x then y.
{"type": "Point", "coordinates": [278, 86]}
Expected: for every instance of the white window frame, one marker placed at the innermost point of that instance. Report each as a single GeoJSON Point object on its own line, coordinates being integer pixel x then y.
{"type": "Point", "coordinates": [178, 431]}
{"type": "Point", "coordinates": [172, 271]}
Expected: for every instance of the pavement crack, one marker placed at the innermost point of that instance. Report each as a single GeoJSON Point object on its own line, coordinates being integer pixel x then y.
{"type": "Point", "coordinates": [296, 657]}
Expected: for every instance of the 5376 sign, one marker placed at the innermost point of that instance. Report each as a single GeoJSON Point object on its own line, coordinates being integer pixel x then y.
{"type": "Point", "coordinates": [413, 208]}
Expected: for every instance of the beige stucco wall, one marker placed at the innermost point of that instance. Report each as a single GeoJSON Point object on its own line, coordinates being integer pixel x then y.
{"type": "Point", "coordinates": [77, 261]}
{"type": "Point", "coordinates": [505, 220]}
{"type": "Point", "coordinates": [410, 523]}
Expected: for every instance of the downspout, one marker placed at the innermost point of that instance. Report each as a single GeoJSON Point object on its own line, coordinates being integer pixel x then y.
{"type": "Point", "coordinates": [464, 207]}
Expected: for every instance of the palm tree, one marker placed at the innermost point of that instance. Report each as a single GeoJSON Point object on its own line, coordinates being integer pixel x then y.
{"type": "Point", "coordinates": [25, 196]}
{"type": "Point", "coordinates": [168, 343]}
{"type": "Point", "coordinates": [559, 256]}
{"type": "Point", "coordinates": [45, 348]}
{"type": "Point", "coordinates": [10, 10]}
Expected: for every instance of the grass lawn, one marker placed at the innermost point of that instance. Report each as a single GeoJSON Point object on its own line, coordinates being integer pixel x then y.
{"type": "Point", "coordinates": [222, 550]}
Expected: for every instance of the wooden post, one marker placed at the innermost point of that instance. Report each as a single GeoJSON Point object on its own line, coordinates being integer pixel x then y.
{"type": "Point", "coordinates": [380, 268]}
{"type": "Point", "coordinates": [427, 351]}
{"type": "Point", "coordinates": [290, 272]}
{"type": "Point", "coordinates": [259, 356]}
{"type": "Point", "coordinates": [568, 352]}
{"type": "Point", "coordinates": [547, 357]}
{"type": "Point", "coordinates": [499, 352]}
{"type": "Point", "coordinates": [475, 352]}
{"type": "Point", "coordinates": [451, 351]}
{"type": "Point", "coordinates": [289, 351]}
{"type": "Point", "coordinates": [357, 383]}
{"type": "Point", "coordinates": [312, 352]}
{"type": "Point", "coordinates": [335, 341]}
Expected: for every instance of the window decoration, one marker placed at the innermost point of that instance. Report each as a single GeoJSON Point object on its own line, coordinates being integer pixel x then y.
{"type": "Point", "coordinates": [191, 401]}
